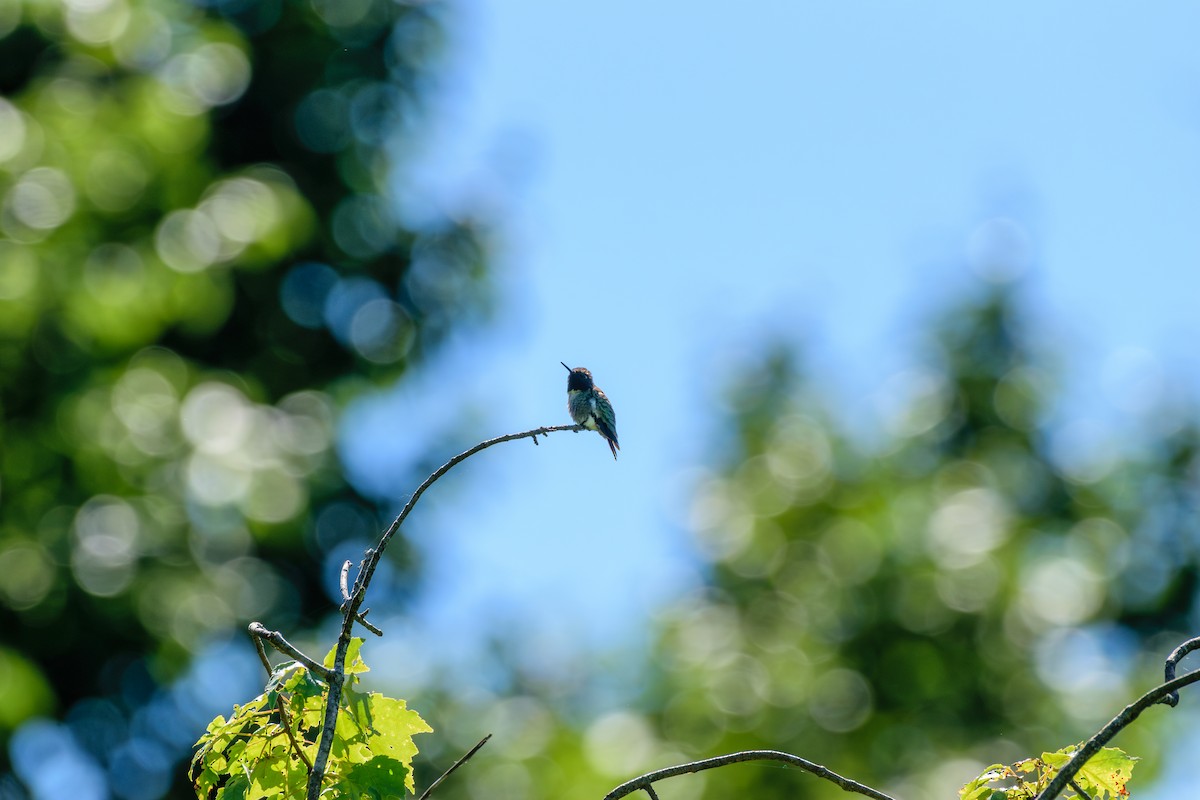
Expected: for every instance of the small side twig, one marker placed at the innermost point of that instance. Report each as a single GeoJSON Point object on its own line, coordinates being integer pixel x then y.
{"type": "Point", "coordinates": [344, 580]}
{"type": "Point", "coordinates": [259, 632]}
{"type": "Point", "coordinates": [350, 615]}
{"type": "Point", "coordinates": [1079, 790]}
{"type": "Point", "coordinates": [262, 651]}
{"type": "Point", "coordinates": [643, 782]}
{"type": "Point", "coordinates": [362, 620]}
{"type": "Point", "coordinates": [425, 794]}
{"type": "Point", "coordinates": [281, 704]}
{"type": "Point", "coordinates": [1159, 694]}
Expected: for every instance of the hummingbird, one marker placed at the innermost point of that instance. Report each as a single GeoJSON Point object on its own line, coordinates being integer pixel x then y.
{"type": "Point", "coordinates": [590, 408]}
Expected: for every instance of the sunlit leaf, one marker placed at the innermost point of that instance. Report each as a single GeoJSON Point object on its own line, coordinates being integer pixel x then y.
{"type": "Point", "coordinates": [1105, 775]}
{"type": "Point", "coordinates": [354, 662]}
{"type": "Point", "coordinates": [380, 776]}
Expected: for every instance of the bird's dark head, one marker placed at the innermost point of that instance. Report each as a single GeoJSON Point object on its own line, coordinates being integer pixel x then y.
{"type": "Point", "coordinates": [580, 379]}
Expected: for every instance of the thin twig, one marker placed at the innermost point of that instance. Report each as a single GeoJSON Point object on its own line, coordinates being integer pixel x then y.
{"type": "Point", "coordinates": [1079, 790]}
{"type": "Point", "coordinates": [262, 651]}
{"type": "Point", "coordinates": [374, 555]}
{"type": "Point", "coordinates": [280, 702]}
{"type": "Point", "coordinates": [644, 781]}
{"type": "Point", "coordinates": [336, 676]}
{"type": "Point", "coordinates": [1105, 734]}
{"type": "Point", "coordinates": [281, 706]}
{"type": "Point", "coordinates": [362, 620]}
{"type": "Point", "coordinates": [425, 794]}
{"type": "Point", "coordinates": [276, 640]}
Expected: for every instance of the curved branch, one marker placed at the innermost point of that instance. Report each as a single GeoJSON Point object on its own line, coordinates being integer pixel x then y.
{"type": "Point", "coordinates": [373, 556]}
{"type": "Point", "coordinates": [350, 606]}
{"type": "Point", "coordinates": [643, 782]}
{"type": "Point", "coordinates": [1159, 694]}
{"type": "Point", "coordinates": [1172, 661]}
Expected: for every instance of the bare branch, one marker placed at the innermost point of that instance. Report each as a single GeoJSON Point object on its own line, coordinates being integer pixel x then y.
{"type": "Point", "coordinates": [425, 794]}
{"type": "Point", "coordinates": [1158, 694]}
{"type": "Point", "coordinates": [350, 615]}
{"type": "Point", "coordinates": [643, 782]}
{"type": "Point", "coordinates": [276, 640]}
{"type": "Point", "coordinates": [362, 620]}
{"type": "Point", "coordinates": [373, 556]}
{"type": "Point", "coordinates": [333, 700]}
{"type": "Point", "coordinates": [281, 707]}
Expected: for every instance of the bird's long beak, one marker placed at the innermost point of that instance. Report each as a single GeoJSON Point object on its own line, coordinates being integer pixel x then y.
{"type": "Point", "coordinates": [568, 369]}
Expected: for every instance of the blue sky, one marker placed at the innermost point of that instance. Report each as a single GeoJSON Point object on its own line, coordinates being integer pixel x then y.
{"type": "Point", "coordinates": [675, 181]}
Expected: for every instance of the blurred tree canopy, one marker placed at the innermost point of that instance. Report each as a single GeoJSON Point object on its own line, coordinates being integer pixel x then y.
{"type": "Point", "coordinates": [200, 259]}
{"type": "Point", "coordinates": [967, 589]}
{"type": "Point", "coordinates": [971, 590]}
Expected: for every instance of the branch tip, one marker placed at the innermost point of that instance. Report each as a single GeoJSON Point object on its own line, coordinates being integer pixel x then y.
{"type": "Point", "coordinates": [454, 766]}
{"type": "Point", "coordinates": [345, 581]}
{"type": "Point", "coordinates": [1173, 660]}
{"type": "Point", "coordinates": [259, 633]}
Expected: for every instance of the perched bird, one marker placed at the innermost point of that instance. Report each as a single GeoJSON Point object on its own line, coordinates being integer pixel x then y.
{"type": "Point", "coordinates": [590, 408]}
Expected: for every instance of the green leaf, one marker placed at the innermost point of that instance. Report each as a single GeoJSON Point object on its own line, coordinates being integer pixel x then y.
{"type": "Point", "coordinates": [1028, 766]}
{"type": "Point", "coordinates": [982, 789]}
{"type": "Point", "coordinates": [269, 777]}
{"type": "Point", "coordinates": [237, 788]}
{"type": "Point", "coordinates": [382, 726]}
{"type": "Point", "coordinates": [978, 788]}
{"type": "Point", "coordinates": [394, 726]}
{"type": "Point", "coordinates": [283, 674]}
{"type": "Point", "coordinates": [1105, 774]}
{"type": "Point", "coordinates": [354, 663]}
{"type": "Point", "coordinates": [379, 777]}
{"type": "Point", "coordinates": [309, 709]}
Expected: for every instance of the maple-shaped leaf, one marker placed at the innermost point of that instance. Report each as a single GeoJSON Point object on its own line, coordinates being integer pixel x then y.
{"type": "Point", "coordinates": [1105, 774]}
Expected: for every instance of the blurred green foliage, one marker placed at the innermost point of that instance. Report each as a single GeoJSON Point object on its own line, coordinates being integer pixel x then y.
{"type": "Point", "coordinates": [967, 589]}
{"type": "Point", "coordinates": [200, 261]}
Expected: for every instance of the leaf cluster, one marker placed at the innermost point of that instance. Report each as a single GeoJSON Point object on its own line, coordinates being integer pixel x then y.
{"type": "Point", "coordinates": [201, 264]}
{"type": "Point", "coordinates": [1104, 777]}
{"type": "Point", "coordinates": [266, 747]}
